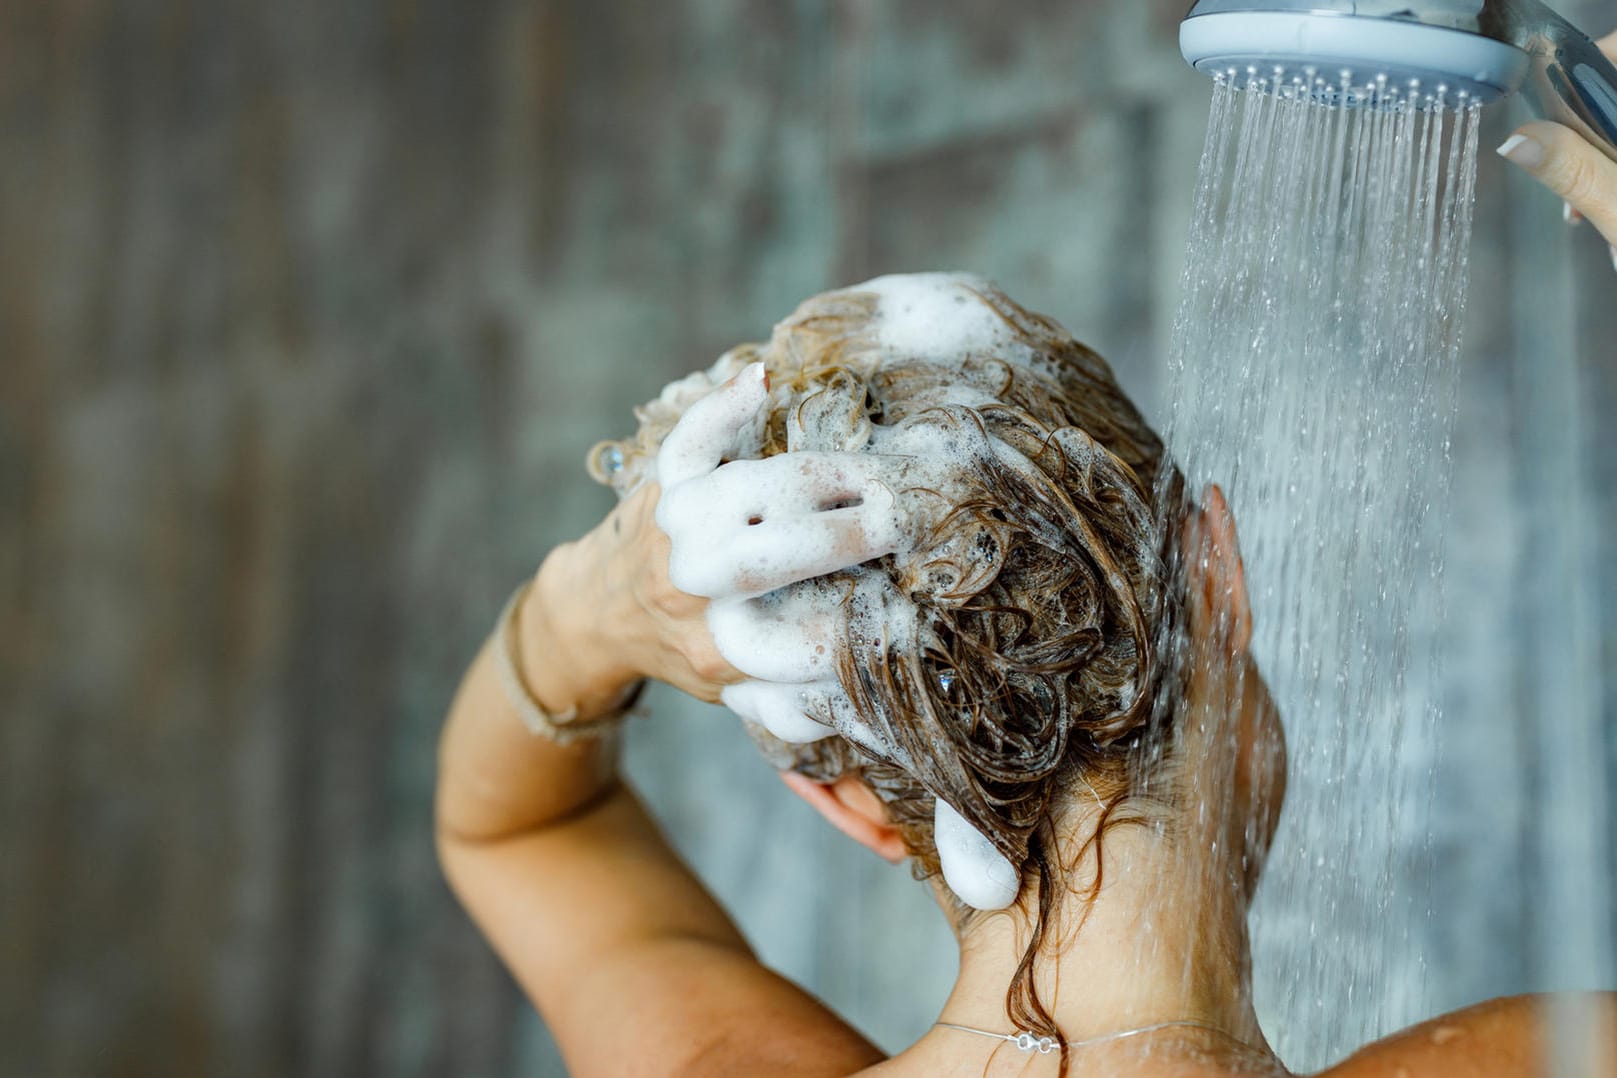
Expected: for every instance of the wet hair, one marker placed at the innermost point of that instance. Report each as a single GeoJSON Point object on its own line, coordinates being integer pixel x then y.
{"type": "Point", "coordinates": [1046, 593]}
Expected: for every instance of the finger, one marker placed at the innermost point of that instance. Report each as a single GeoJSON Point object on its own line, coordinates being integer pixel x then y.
{"type": "Point", "coordinates": [786, 636]}
{"type": "Point", "coordinates": [1608, 45]}
{"type": "Point", "coordinates": [1571, 167]}
{"type": "Point", "coordinates": [746, 493]}
{"type": "Point", "coordinates": [711, 429]}
{"type": "Point", "coordinates": [814, 502]}
{"type": "Point", "coordinates": [754, 526]}
{"type": "Point", "coordinates": [783, 710]}
{"type": "Point", "coordinates": [772, 555]}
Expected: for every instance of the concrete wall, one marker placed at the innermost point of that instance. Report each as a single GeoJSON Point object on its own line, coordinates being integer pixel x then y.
{"type": "Point", "coordinates": [308, 313]}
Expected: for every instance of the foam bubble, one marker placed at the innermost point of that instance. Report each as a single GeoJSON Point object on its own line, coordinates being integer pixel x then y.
{"type": "Point", "coordinates": [789, 635]}
{"type": "Point", "coordinates": [974, 870]}
{"type": "Point", "coordinates": [850, 724]}
{"type": "Point", "coordinates": [940, 318]}
{"type": "Point", "coordinates": [755, 526]}
{"type": "Point", "coordinates": [831, 419]}
{"type": "Point", "coordinates": [723, 424]}
{"type": "Point", "coordinates": [783, 710]}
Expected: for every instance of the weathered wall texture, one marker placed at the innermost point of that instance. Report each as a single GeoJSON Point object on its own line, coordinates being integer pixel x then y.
{"type": "Point", "coordinates": [308, 313]}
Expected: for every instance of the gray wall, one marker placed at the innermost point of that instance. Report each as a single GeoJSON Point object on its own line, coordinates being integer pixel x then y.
{"type": "Point", "coordinates": [308, 313]}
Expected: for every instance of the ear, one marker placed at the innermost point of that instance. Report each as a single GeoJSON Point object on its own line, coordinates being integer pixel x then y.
{"type": "Point", "coordinates": [854, 810]}
{"type": "Point", "coordinates": [1223, 574]}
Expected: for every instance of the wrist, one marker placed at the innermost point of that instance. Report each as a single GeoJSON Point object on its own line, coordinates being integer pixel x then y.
{"type": "Point", "coordinates": [563, 654]}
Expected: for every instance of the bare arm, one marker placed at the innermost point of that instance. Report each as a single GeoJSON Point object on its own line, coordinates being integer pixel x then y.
{"type": "Point", "coordinates": [635, 967]}
{"type": "Point", "coordinates": [598, 616]}
{"type": "Point", "coordinates": [1502, 1038]}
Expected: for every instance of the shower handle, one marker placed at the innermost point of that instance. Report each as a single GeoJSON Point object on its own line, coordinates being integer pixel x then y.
{"type": "Point", "coordinates": [1571, 81]}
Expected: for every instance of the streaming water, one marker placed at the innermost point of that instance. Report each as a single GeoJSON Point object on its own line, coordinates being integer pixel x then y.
{"type": "Point", "coordinates": [1312, 376]}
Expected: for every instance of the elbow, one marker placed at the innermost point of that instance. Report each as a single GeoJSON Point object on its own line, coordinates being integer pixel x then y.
{"type": "Point", "coordinates": [463, 822]}
{"type": "Point", "coordinates": [449, 841]}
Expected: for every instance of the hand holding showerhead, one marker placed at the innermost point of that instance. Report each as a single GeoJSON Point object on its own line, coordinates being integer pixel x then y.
{"type": "Point", "coordinates": [1428, 50]}
{"type": "Point", "coordinates": [1572, 167]}
{"type": "Point", "coordinates": [1435, 53]}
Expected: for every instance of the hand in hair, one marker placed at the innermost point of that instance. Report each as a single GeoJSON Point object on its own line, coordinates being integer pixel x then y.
{"type": "Point", "coordinates": [746, 527]}
{"type": "Point", "coordinates": [618, 601]}
{"type": "Point", "coordinates": [640, 583]}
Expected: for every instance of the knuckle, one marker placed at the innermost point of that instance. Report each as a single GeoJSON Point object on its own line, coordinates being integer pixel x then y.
{"type": "Point", "coordinates": [1578, 180]}
{"type": "Point", "coordinates": [674, 506]}
{"type": "Point", "coordinates": [1579, 173]}
{"type": "Point", "coordinates": [706, 662]}
{"type": "Point", "coordinates": [670, 592]}
{"type": "Point", "coordinates": [749, 581]}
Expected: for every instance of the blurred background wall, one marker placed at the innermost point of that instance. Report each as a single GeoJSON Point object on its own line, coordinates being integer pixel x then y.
{"type": "Point", "coordinates": [308, 314]}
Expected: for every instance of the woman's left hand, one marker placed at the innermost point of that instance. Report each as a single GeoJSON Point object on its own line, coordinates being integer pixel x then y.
{"type": "Point", "coordinates": [1572, 167]}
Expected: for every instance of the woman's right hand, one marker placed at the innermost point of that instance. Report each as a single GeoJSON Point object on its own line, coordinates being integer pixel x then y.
{"type": "Point", "coordinates": [1560, 159]}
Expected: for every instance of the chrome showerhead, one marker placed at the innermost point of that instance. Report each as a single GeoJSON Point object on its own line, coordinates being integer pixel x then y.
{"type": "Point", "coordinates": [1443, 46]}
{"type": "Point", "coordinates": [1437, 49]}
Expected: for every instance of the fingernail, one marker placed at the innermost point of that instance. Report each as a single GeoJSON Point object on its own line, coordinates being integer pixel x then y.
{"type": "Point", "coordinates": [1570, 215]}
{"type": "Point", "coordinates": [1526, 152]}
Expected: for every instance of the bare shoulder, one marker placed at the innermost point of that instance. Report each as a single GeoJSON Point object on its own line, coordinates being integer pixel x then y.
{"type": "Point", "coordinates": [1502, 1038]}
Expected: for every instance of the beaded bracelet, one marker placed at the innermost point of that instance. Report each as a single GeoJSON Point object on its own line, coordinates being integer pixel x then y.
{"type": "Point", "coordinates": [560, 727]}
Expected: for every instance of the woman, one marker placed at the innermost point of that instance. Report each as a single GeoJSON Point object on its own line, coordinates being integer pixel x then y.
{"type": "Point", "coordinates": [987, 682]}
{"type": "Point", "coordinates": [924, 545]}
{"type": "Point", "coordinates": [922, 418]}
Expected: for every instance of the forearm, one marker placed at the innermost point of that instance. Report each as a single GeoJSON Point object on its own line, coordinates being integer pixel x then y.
{"type": "Point", "coordinates": [496, 779]}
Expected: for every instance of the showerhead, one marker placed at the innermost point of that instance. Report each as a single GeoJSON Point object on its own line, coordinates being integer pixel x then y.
{"type": "Point", "coordinates": [1316, 39]}
{"type": "Point", "coordinates": [1431, 49]}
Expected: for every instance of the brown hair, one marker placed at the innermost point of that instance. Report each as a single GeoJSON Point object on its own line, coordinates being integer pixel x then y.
{"type": "Point", "coordinates": [1045, 590]}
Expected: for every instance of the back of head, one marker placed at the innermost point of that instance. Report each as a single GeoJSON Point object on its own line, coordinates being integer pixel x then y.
{"type": "Point", "coordinates": [1012, 651]}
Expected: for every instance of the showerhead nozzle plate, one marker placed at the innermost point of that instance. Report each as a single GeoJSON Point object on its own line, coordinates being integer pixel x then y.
{"type": "Point", "coordinates": [1329, 46]}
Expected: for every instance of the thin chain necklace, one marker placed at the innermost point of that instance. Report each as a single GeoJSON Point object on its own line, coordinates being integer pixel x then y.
{"type": "Point", "coordinates": [1027, 1042]}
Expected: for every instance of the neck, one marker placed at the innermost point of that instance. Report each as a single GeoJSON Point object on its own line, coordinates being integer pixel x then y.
{"type": "Point", "coordinates": [1158, 944]}
{"type": "Point", "coordinates": [1164, 939]}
